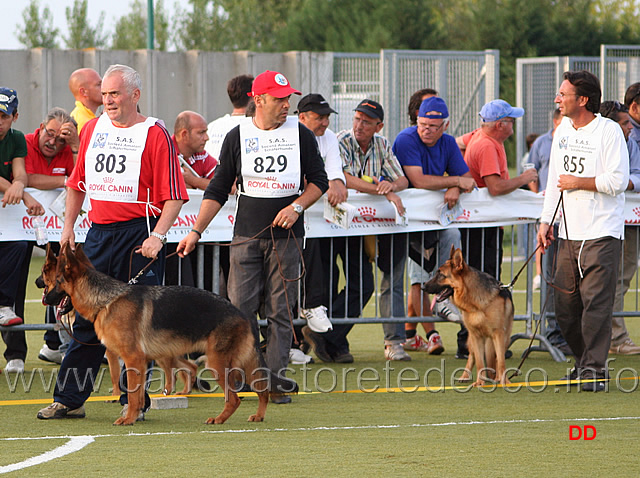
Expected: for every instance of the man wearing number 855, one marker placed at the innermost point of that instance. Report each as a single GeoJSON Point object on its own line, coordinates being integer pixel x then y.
{"type": "Point", "coordinates": [589, 167]}
{"type": "Point", "coordinates": [128, 166]}
{"type": "Point", "coordinates": [279, 173]}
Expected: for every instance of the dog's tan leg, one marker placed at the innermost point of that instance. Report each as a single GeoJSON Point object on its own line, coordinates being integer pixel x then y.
{"type": "Point", "coordinates": [188, 371]}
{"type": "Point", "coordinates": [232, 401]}
{"type": "Point", "coordinates": [114, 371]}
{"type": "Point", "coordinates": [499, 343]}
{"type": "Point", "coordinates": [260, 385]}
{"type": "Point", "coordinates": [136, 370]}
{"type": "Point", "coordinates": [476, 348]}
{"type": "Point", "coordinates": [167, 365]}
{"type": "Point", "coordinates": [468, 369]}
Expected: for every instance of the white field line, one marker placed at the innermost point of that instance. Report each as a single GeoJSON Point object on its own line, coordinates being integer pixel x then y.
{"type": "Point", "coordinates": [76, 443]}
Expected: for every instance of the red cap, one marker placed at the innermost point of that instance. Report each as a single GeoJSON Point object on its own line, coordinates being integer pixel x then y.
{"type": "Point", "coordinates": [272, 83]}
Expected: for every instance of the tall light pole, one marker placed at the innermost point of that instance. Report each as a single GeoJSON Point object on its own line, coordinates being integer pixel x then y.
{"type": "Point", "coordinates": [150, 26]}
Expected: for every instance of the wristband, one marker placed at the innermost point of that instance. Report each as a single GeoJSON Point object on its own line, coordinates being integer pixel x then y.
{"type": "Point", "coordinates": [197, 232]}
{"type": "Point", "coordinates": [74, 152]}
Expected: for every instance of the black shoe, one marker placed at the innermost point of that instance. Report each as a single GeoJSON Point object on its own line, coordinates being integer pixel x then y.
{"type": "Point", "coordinates": [202, 385]}
{"type": "Point", "coordinates": [462, 355]}
{"type": "Point", "coordinates": [317, 344]}
{"type": "Point", "coordinates": [508, 354]}
{"type": "Point", "coordinates": [280, 399]}
{"type": "Point", "coordinates": [572, 376]}
{"type": "Point", "coordinates": [593, 387]}
{"type": "Point", "coordinates": [343, 358]}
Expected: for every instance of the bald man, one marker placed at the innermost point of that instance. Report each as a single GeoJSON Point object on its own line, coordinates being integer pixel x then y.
{"type": "Point", "coordinates": [190, 136]}
{"type": "Point", "coordinates": [84, 85]}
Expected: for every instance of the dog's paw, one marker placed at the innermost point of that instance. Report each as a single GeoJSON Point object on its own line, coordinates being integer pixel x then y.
{"type": "Point", "coordinates": [124, 421]}
{"type": "Point", "coordinates": [255, 418]}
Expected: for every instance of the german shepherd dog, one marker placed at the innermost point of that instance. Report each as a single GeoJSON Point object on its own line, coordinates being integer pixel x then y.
{"type": "Point", "coordinates": [142, 323]}
{"type": "Point", "coordinates": [487, 312]}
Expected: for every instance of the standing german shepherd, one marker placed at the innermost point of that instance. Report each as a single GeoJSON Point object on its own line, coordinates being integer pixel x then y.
{"type": "Point", "coordinates": [487, 312]}
{"type": "Point", "coordinates": [142, 323]}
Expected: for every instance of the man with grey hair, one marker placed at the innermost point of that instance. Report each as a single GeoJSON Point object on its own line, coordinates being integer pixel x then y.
{"type": "Point", "coordinates": [51, 154]}
{"type": "Point", "coordinates": [122, 148]}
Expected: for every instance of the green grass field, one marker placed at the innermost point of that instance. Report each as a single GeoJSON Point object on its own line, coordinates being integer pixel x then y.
{"type": "Point", "coordinates": [347, 429]}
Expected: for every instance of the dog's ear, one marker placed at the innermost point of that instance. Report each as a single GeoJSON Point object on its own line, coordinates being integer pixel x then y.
{"type": "Point", "coordinates": [452, 252]}
{"type": "Point", "coordinates": [457, 261]}
{"type": "Point", "coordinates": [51, 256]}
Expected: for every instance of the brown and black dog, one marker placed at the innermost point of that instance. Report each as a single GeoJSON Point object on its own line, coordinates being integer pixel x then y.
{"type": "Point", "coordinates": [487, 312]}
{"type": "Point", "coordinates": [143, 323]}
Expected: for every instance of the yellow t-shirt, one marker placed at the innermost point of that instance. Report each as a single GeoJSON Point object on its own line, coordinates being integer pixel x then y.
{"type": "Point", "coordinates": [81, 114]}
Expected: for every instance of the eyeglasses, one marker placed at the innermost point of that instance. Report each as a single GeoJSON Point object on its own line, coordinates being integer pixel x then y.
{"type": "Point", "coordinates": [564, 95]}
{"type": "Point", "coordinates": [365, 123]}
{"type": "Point", "coordinates": [508, 120]}
{"type": "Point", "coordinates": [53, 134]}
{"type": "Point", "coordinates": [430, 127]}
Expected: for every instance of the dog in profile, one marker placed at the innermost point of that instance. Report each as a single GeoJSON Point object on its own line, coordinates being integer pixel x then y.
{"type": "Point", "coordinates": [487, 313]}
{"type": "Point", "coordinates": [143, 323]}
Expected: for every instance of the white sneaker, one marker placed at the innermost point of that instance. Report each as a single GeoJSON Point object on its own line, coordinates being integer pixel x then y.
{"type": "Point", "coordinates": [8, 316]}
{"type": "Point", "coordinates": [396, 352]}
{"type": "Point", "coordinates": [298, 357]}
{"type": "Point", "coordinates": [317, 319]}
{"type": "Point", "coordinates": [446, 310]}
{"type": "Point", "coordinates": [536, 282]}
{"type": "Point", "coordinates": [15, 365]}
{"type": "Point", "coordinates": [48, 355]}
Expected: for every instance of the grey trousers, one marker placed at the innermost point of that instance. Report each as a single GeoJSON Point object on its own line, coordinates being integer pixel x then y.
{"type": "Point", "coordinates": [258, 272]}
{"type": "Point", "coordinates": [586, 274]}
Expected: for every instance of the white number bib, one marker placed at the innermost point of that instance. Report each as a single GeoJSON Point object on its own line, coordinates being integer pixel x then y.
{"type": "Point", "coordinates": [113, 159]}
{"type": "Point", "coordinates": [579, 153]}
{"type": "Point", "coordinates": [270, 160]}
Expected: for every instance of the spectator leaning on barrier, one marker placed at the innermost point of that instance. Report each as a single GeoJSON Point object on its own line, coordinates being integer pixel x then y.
{"type": "Point", "coordinates": [426, 153]}
{"type": "Point", "coordinates": [84, 85]}
{"type": "Point", "coordinates": [487, 160]}
{"type": "Point", "coordinates": [51, 153]}
{"type": "Point", "coordinates": [263, 252]}
{"type": "Point", "coordinates": [416, 101]}
{"type": "Point", "coordinates": [149, 164]}
{"type": "Point", "coordinates": [13, 254]}
{"type": "Point", "coordinates": [621, 343]}
{"type": "Point", "coordinates": [632, 102]}
{"type": "Point", "coordinates": [313, 112]}
{"type": "Point", "coordinates": [366, 155]}
{"type": "Point", "coordinates": [589, 167]}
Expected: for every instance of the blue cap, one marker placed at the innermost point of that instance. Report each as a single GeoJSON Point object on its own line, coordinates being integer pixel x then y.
{"type": "Point", "coordinates": [8, 100]}
{"type": "Point", "coordinates": [497, 109]}
{"type": "Point", "coordinates": [433, 107]}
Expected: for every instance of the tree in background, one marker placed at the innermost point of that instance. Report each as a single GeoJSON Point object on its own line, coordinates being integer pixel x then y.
{"type": "Point", "coordinates": [202, 27]}
{"type": "Point", "coordinates": [131, 29]}
{"type": "Point", "coordinates": [37, 31]}
{"type": "Point", "coordinates": [81, 33]}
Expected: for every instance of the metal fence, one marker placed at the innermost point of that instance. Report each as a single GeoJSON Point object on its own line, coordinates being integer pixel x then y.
{"type": "Point", "coordinates": [196, 80]}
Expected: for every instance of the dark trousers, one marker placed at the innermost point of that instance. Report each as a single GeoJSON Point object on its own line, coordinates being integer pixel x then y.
{"type": "Point", "coordinates": [13, 255]}
{"type": "Point", "coordinates": [315, 284]}
{"type": "Point", "coordinates": [109, 249]}
{"type": "Point", "coordinates": [358, 289]}
{"type": "Point", "coordinates": [586, 273]}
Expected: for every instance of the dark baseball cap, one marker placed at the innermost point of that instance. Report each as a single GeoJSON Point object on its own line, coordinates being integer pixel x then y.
{"type": "Point", "coordinates": [8, 100]}
{"type": "Point", "coordinates": [371, 108]}
{"type": "Point", "coordinates": [316, 103]}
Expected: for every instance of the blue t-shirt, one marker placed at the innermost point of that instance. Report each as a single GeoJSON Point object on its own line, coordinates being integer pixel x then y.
{"type": "Point", "coordinates": [442, 157]}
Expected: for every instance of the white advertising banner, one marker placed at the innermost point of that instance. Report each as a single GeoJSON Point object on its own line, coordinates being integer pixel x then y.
{"type": "Point", "coordinates": [375, 215]}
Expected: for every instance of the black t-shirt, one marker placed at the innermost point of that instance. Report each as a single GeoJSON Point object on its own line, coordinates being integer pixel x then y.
{"type": "Point", "coordinates": [12, 146]}
{"type": "Point", "coordinates": [252, 213]}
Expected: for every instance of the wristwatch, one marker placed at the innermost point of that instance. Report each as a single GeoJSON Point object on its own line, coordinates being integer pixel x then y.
{"type": "Point", "coordinates": [162, 237]}
{"type": "Point", "coordinates": [297, 207]}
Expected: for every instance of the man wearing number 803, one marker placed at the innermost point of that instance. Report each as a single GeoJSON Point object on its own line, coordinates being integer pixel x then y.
{"type": "Point", "coordinates": [589, 166]}
{"type": "Point", "coordinates": [279, 173]}
{"type": "Point", "coordinates": [128, 166]}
